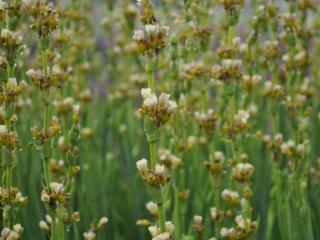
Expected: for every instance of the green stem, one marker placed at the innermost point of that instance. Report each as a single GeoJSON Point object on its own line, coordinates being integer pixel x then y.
{"type": "Point", "coordinates": [204, 99]}
{"type": "Point", "coordinates": [150, 68]}
{"type": "Point", "coordinates": [233, 103]}
{"type": "Point", "coordinates": [57, 231]}
{"type": "Point", "coordinates": [216, 183]}
{"type": "Point", "coordinates": [151, 85]}
{"type": "Point", "coordinates": [230, 34]}
{"type": "Point", "coordinates": [46, 146]}
{"type": "Point", "coordinates": [57, 228]}
{"type": "Point", "coordinates": [46, 118]}
{"type": "Point", "coordinates": [53, 232]}
{"type": "Point", "coordinates": [177, 214]}
{"type": "Point", "coordinates": [7, 213]}
{"type": "Point", "coordinates": [44, 62]}
{"type": "Point", "coordinates": [151, 65]}
{"type": "Point", "coordinates": [9, 162]}
{"type": "Point", "coordinates": [153, 155]}
{"type": "Point", "coordinates": [162, 216]}
{"type": "Point", "coordinates": [150, 77]}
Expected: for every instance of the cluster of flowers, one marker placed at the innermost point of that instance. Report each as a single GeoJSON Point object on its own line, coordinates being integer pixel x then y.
{"type": "Point", "coordinates": [14, 234]}
{"type": "Point", "coordinates": [156, 232]}
{"type": "Point", "coordinates": [155, 178]}
{"type": "Point", "coordinates": [159, 110]}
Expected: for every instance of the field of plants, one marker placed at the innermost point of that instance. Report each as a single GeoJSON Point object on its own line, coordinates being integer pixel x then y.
{"type": "Point", "coordinates": [160, 120]}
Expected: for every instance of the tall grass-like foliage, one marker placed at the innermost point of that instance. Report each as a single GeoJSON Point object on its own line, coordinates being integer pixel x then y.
{"type": "Point", "coordinates": [172, 119]}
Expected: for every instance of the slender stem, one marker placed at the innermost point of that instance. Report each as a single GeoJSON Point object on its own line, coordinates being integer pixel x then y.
{"type": "Point", "coordinates": [60, 224]}
{"type": "Point", "coordinates": [9, 162]}
{"type": "Point", "coordinates": [45, 159]}
{"type": "Point", "coordinates": [233, 100]}
{"type": "Point", "coordinates": [57, 230]}
{"type": "Point", "coordinates": [46, 147]}
{"type": "Point", "coordinates": [44, 62]}
{"type": "Point", "coordinates": [177, 214]}
{"type": "Point", "coordinates": [204, 99]}
{"type": "Point", "coordinates": [151, 85]}
{"type": "Point", "coordinates": [46, 118]}
{"type": "Point", "coordinates": [53, 227]}
{"type": "Point", "coordinates": [230, 34]}
{"type": "Point", "coordinates": [216, 183]}
{"type": "Point", "coordinates": [150, 77]}
{"type": "Point", "coordinates": [162, 217]}
{"type": "Point", "coordinates": [152, 145]}
{"type": "Point", "coordinates": [153, 155]}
